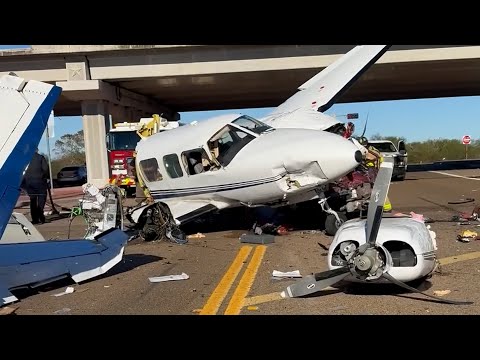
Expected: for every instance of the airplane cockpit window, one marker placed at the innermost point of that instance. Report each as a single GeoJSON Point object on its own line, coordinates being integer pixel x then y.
{"type": "Point", "coordinates": [150, 170]}
{"type": "Point", "coordinates": [172, 165]}
{"type": "Point", "coordinates": [226, 143]}
{"type": "Point", "coordinates": [252, 124]}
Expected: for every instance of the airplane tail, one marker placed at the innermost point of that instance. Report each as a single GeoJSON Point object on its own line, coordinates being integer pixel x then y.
{"type": "Point", "coordinates": [322, 90]}
{"type": "Point", "coordinates": [24, 111]}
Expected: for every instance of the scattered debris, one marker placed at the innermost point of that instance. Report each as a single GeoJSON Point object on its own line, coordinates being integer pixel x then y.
{"type": "Point", "coordinates": [252, 308]}
{"type": "Point", "coordinates": [157, 279]}
{"type": "Point", "coordinates": [196, 310]}
{"type": "Point", "coordinates": [257, 239]}
{"type": "Point", "coordinates": [196, 236]}
{"type": "Point", "coordinates": [288, 274]}
{"type": "Point", "coordinates": [441, 292]}
{"type": "Point", "coordinates": [106, 286]}
{"type": "Point", "coordinates": [467, 235]}
{"type": "Point", "coordinates": [311, 232]}
{"type": "Point", "coordinates": [64, 311]}
{"type": "Point", "coordinates": [68, 290]}
{"type": "Point", "coordinates": [8, 310]}
{"type": "Point", "coordinates": [269, 229]}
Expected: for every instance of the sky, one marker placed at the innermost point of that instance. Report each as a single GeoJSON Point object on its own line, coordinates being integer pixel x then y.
{"type": "Point", "coordinates": [416, 120]}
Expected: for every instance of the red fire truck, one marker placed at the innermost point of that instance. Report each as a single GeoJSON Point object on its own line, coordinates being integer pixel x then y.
{"type": "Point", "coordinates": [122, 140]}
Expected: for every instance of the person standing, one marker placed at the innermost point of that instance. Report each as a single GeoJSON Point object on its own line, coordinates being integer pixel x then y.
{"type": "Point", "coordinates": [35, 183]}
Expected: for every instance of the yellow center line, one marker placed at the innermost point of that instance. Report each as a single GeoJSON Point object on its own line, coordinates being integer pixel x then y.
{"type": "Point", "coordinates": [458, 258]}
{"type": "Point", "coordinates": [218, 295]}
{"type": "Point", "coordinates": [238, 298]}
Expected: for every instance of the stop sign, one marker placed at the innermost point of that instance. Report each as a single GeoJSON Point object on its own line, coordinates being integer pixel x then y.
{"type": "Point", "coordinates": [466, 140]}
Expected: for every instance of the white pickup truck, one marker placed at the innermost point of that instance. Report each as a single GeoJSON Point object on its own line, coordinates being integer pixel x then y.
{"type": "Point", "coordinates": [388, 149]}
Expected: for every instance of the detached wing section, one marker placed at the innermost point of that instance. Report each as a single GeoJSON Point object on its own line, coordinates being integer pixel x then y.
{"type": "Point", "coordinates": [24, 111]}
{"type": "Point", "coordinates": [35, 264]}
{"type": "Point", "coordinates": [320, 92]}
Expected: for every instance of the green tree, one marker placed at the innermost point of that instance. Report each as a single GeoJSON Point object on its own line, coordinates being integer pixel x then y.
{"type": "Point", "coordinates": [393, 139]}
{"type": "Point", "coordinates": [68, 150]}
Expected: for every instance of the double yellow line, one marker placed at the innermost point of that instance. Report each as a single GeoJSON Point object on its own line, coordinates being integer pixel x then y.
{"type": "Point", "coordinates": [241, 291]}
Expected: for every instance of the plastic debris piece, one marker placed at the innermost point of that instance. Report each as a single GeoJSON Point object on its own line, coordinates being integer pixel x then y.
{"type": "Point", "coordinates": [288, 274]}
{"type": "Point", "coordinates": [467, 235]}
{"type": "Point", "coordinates": [441, 292]}
{"type": "Point", "coordinates": [68, 290]}
{"type": "Point", "coordinates": [252, 308]}
{"type": "Point", "coordinates": [157, 279]}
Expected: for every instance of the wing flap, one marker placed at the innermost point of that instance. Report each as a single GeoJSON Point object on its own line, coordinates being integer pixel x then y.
{"type": "Point", "coordinates": [185, 211]}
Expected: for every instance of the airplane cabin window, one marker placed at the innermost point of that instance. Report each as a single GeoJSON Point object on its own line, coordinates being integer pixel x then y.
{"type": "Point", "coordinates": [172, 165]}
{"type": "Point", "coordinates": [252, 124]}
{"type": "Point", "coordinates": [228, 142]}
{"type": "Point", "coordinates": [150, 170]}
{"type": "Point", "coordinates": [196, 161]}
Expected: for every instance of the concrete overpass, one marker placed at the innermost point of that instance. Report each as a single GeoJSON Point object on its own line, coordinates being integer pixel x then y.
{"type": "Point", "coordinates": [130, 81]}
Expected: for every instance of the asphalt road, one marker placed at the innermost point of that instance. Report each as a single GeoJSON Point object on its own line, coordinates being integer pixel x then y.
{"type": "Point", "coordinates": [226, 276]}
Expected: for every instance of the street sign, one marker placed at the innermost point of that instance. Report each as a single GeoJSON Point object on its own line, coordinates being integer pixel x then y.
{"type": "Point", "coordinates": [466, 140]}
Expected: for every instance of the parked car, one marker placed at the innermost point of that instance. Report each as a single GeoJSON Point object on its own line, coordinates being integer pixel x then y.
{"type": "Point", "coordinates": [72, 175]}
{"type": "Point", "coordinates": [387, 148]}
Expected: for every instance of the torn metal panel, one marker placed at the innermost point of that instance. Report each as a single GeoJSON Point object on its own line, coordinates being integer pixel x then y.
{"type": "Point", "coordinates": [32, 263]}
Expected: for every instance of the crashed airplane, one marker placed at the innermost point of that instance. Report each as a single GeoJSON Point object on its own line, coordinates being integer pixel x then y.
{"type": "Point", "coordinates": [236, 160]}
{"type": "Point", "coordinates": [24, 109]}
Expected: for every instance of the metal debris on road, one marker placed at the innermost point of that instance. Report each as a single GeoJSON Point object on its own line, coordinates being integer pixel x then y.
{"type": "Point", "coordinates": [288, 274]}
{"type": "Point", "coordinates": [157, 279]}
{"type": "Point", "coordinates": [68, 290]}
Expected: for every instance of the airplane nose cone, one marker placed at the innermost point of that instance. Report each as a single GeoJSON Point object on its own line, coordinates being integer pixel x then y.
{"type": "Point", "coordinates": [341, 157]}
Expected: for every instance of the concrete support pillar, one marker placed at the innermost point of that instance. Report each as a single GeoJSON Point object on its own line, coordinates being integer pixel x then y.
{"type": "Point", "coordinates": [95, 116]}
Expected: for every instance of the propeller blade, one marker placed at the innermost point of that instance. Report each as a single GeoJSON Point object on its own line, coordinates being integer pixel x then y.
{"type": "Point", "coordinates": [377, 200]}
{"type": "Point", "coordinates": [314, 283]}
{"type": "Point", "coordinates": [412, 289]}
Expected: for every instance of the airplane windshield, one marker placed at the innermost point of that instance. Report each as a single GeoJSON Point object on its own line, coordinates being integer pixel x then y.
{"type": "Point", "coordinates": [252, 124]}
{"type": "Point", "coordinates": [226, 143]}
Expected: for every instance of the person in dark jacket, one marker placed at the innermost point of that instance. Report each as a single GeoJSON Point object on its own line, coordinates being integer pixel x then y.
{"type": "Point", "coordinates": [35, 183]}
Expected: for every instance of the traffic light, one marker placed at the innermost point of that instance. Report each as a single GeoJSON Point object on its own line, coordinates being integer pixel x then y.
{"type": "Point", "coordinates": [352, 116]}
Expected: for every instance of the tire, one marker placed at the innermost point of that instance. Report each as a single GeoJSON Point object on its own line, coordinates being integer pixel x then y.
{"type": "Point", "coordinates": [331, 223]}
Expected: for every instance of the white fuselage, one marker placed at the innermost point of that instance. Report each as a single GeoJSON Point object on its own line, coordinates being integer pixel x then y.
{"type": "Point", "coordinates": [278, 165]}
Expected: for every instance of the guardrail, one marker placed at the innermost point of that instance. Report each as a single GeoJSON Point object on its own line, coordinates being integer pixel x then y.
{"type": "Point", "coordinates": [445, 165]}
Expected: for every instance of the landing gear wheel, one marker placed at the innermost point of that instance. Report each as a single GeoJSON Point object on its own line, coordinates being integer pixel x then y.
{"type": "Point", "coordinates": [332, 224]}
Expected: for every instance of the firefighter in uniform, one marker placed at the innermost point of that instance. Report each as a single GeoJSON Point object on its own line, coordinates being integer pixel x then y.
{"type": "Point", "coordinates": [373, 159]}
